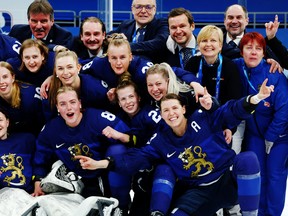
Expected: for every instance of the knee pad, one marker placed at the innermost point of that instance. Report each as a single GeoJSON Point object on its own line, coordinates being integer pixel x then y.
{"type": "Point", "coordinates": [246, 163]}
{"type": "Point", "coordinates": [164, 180]}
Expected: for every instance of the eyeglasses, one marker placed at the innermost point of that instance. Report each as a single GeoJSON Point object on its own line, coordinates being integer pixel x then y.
{"type": "Point", "coordinates": [140, 7]}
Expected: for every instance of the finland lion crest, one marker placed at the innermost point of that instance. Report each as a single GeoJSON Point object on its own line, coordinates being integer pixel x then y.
{"type": "Point", "coordinates": [14, 165]}
{"type": "Point", "coordinates": [199, 162]}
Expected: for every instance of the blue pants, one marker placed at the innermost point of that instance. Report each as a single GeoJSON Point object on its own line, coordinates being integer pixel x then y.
{"type": "Point", "coordinates": [273, 173]}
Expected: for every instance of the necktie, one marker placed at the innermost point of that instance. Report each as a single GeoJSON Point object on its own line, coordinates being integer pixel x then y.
{"type": "Point", "coordinates": [141, 33]}
{"type": "Point", "coordinates": [187, 54]}
{"type": "Point", "coordinates": [232, 44]}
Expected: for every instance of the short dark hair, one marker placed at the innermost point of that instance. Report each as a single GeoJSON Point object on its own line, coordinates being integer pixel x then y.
{"type": "Point", "coordinates": [92, 19]}
{"type": "Point", "coordinates": [172, 96]}
{"type": "Point", "coordinates": [40, 6]}
{"type": "Point", "coordinates": [179, 11]}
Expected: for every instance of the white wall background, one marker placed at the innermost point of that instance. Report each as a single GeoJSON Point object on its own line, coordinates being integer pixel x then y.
{"type": "Point", "coordinates": [17, 9]}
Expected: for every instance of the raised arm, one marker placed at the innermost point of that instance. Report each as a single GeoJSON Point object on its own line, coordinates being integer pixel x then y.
{"type": "Point", "coordinates": [272, 28]}
{"type": "Point", "coordinates": [264, 92]}
{"type": "Point", "coordinates": [276, 46]}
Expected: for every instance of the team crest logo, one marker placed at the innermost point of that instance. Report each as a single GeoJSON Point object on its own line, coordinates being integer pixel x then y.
{"type": "Point", "coordinates": [14, 166]}
{"type": "Point", "coordinates": [199, 161]}
{"type": "Point", "coordinates": [5, 22]}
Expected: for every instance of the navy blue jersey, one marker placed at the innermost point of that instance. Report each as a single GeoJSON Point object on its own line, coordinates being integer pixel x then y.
{"type": "Point", "coordinates": [9, 47]}
{"type": "Point", "coordinates": [29, 116]}
{"type": "Point", "coordinates": [143, 125]}
{"type": "Point", "coordinates": [58, 141]}
{"type": "Point", "coordinates": [37, 78]}
{"type": "Point", "coordinates": [101, 68]}
{"type": "Point", "coordinates": [93, 92]}
{"type": "Point", "coordinates": [17, 152]}
{"type": "Point", "coordinates": [198, 157]}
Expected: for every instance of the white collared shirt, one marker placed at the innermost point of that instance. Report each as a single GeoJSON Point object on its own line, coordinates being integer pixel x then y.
{"type": "Point", "coordinates": [99, 54]}
{"type": "Point", "coordinates": [191, 44]}
{"type": "Point", "coordinates": [237, 40]}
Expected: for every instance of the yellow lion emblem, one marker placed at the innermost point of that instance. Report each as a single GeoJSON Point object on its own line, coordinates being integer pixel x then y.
{"type": "Point", "coordinates": [16, 170]}
{"type": "Point", "coordinates": [188, 159]}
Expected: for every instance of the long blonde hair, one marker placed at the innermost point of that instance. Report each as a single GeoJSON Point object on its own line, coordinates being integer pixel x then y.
{"type": "Point", "coordinates": [55, 82]}
{"type": "Point", "coordinates": [174, 85]}
{"type": "Point", "coordinates": [15, 91]}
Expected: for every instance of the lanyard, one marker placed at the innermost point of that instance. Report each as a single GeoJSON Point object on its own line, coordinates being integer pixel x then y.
{"type": "Point", "coordinates": [267, 104]}
{"type": "Point", "coordinates": [247, 78]}
{"type": "Point", "coordinates": [136, 35]}
{"type": "Point", "coordinates": [134, 38]}
{"type": "Point", "coordinates": [218, 78]}
{"type": "Point", "coordinates": [193, 51]}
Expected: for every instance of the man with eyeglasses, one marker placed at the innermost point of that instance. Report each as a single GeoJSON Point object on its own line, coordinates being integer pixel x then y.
{"type": "Point", "coordinates": [146, 34]}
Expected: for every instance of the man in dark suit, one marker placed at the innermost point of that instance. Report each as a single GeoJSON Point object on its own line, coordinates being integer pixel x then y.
{"type": "Point", "coordinates": [91, 42]}
{"type": "Point", "coordinates": [276, 45]}
{"type": "Point", "coordinates": [181, 43]}
{"type": "Point", "coordinates": [146, 34]}
{"type": "Point", "coordinates": [41, 26]}
{"type": "Point", "coordinates": [235, 22]}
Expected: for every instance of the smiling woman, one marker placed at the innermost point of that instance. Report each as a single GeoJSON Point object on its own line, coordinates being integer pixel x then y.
{"type": "Point", "coordinates": [177, 142]}
{"type": "Point", "coordinates": [216, 72]}
{"type": "Point", "coordinates": [66, 73]}
{"type": "Point", "coordinates": [22, 101]}
{"type": "Point", "coordinates": [34, 64]}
